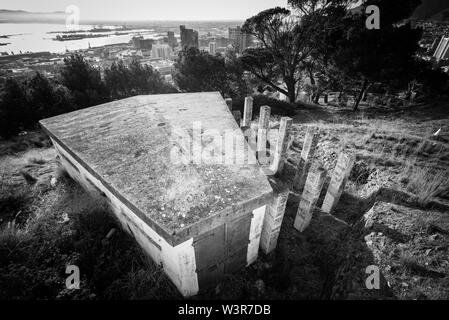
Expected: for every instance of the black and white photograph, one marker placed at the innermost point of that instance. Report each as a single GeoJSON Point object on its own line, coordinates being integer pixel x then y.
{"type": "Point", "coordinates": [206, 151]}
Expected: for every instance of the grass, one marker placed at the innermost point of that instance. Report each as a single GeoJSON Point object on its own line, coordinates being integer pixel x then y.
{"type": "Point", "coordinates": [14, 202]}
{"type": "Point", "coordinates": [428, 183]}
{"type": "Point", "coordinates": [44, 229]}
{"type": "Point", "coordinates": [36, 159]}
{"type": "Point", "coordinates": [30, 180]}
{"type": "Point", "coordinates": [11, 236]}
{"type": "Point", "coordinates": [412, 266]}
{"type": "Point", "coordinates": [33, 256]}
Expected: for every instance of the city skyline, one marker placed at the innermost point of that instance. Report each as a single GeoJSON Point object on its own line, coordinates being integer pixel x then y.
{"type": "Point", "coordinates": [140, 10]}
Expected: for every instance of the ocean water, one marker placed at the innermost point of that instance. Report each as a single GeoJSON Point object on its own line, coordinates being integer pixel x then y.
{"type": "Point", "coordinates": [36, 37]}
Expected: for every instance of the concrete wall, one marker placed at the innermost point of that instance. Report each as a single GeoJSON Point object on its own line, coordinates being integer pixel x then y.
{"type": "Point", "coordinates": [179, 261]}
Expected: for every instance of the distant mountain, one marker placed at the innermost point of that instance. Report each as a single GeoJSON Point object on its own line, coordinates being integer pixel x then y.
{"type": "Point", "coordinates": [434, 10]}
{"type": "Point", "coordinates": [20, 16]}
{"type": "Point", "coordinates": [59, 17]}
{"type": "Point", "coordinates": [27, 12]}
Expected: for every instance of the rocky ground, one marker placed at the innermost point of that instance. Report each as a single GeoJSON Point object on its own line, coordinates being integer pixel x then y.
{"type": "Point", "coordinates": [395, 203]}
{"type": "Point", "coordinates": [394, 214]}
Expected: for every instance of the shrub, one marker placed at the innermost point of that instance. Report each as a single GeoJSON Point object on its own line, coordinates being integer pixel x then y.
{"type": "Point", "coordinates": [278, 107]}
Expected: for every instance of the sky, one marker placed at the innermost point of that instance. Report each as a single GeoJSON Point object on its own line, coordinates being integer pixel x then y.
{"type": "Point", "coordinates": [150, 9]}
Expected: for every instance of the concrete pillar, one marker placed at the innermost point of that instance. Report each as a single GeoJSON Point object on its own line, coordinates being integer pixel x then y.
{"type": "Point", "coordinates": [248, 112]}
{"type": "Point", "coordinates": [238, 117]}
{"type": "Point", "coordinates": [282, 145]}
{"type": "Point", "coordinates": [262, 134]}
{"type": "Point", "coordinates": [305, 160]}
{"type": "Point", "coordinates": [312, 190]}
{"type": "Point", "coordinates": [255, 234]}
{"type": "Point", "coordinates": [250, 134]}
{"type": "Point", "coordinates": [340, 175]}
{"type": "Point", "coordinates": [274, 216]}
{"type": "Point", "coordinates": [229, 103]}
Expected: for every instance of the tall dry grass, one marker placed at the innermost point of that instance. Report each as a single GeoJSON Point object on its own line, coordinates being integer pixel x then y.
{"type": "Point", "coordinates": [428, 183]}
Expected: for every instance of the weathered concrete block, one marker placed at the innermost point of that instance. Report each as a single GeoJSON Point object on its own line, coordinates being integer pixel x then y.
{"type": "Point", "coordinates": [312, 190]}
{"type": "Point", "coordinates": [274, 216]}
{"type": "Point", "coordinates": [237, 116]}
{"type": "Point", "coordinates": [255, 234]}
{"type": "Point", "coordinates": [340, 175]}
{"type": "Point", "coordinates": [229, 103]}
{"type": "Point", "coordinates": [248, 112]}
{"type": "Point", "coordinates": [281, 145]}
{"type": "Point", "coordinates": [305, 161]}
{"type": "Point", "coordinates": [262, 134]}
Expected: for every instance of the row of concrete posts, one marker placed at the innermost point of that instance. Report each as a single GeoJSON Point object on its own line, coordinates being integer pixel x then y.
{"type": "Point", "coordinates": [306, 182]}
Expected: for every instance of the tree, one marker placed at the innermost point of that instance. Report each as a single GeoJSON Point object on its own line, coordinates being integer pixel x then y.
{"type": "Point", "coordinates": [197, 71]}
{"type": "Point", "coordinates": [84, 81]}
{"type": "Point", "coordinates": [123, 81]}
{"type": "Point", "coordinates": [146, 80]}
{"type": "Point", "coordinates": [24, 103]}
{"type": "Point", "coordinates": [283, 48]}
{"type": "Point", "coordinates": [237, 84]}
{"type": "Point", "coordinates": [323, 20]}
{"type": "Point", "coordinates": [311, 7]}
{"type": "Point", "coordinates": [117, 79]}
{"type": "Point", "coordinates": [430, 79]}
{"type": "Point", "coordinates": [63, 99]}
{"type": "Point", "coordinates": [384, 56]}
{"type": "Point", "coordinates": [15, 111]}
{"type": "Point", "coordinates": [288, 41]}
{"type": "Point", "coordinates": [41, 97]}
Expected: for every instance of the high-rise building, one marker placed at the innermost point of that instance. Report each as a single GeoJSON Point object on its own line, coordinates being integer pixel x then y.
{"type": "Point", "coordinates": [146, 44]}
{"type": "Point", "coordinates": [204, 43]}
{"type": "Point", "coordinates": [240, 40]}
{"type": "Point", "coordinates": [161, 51]}
{"type": "Point", "coordinates": [212, 48]}
{"type": "Point", "coordinates": [141, 43]}
{"type": "Point", "coordinates": [189, 37]}
{"type": "Point", "coordinates": [434, 46]}
{"type": "Point", "coordinates": [234, 33]}
{"type": "Point", "coordinates": [171, 39]}
{"type": "Point", "coordinates": [222, 42]}
{"type": "Point", "coordinates": [136, 42]}
{"type": "Point", "coordinates": [442, 51]}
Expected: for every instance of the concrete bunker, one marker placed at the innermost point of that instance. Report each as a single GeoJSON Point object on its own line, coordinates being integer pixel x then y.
{"type": "Point", "coordinates": [199, 219]}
